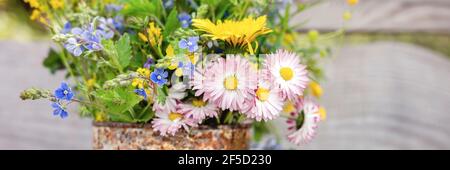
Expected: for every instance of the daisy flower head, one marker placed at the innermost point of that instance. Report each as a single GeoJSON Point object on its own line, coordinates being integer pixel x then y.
{"type": "Point", "coordinates": [175, 94]}
{"type": "Point", "coordinates": [229, 82]}
{"type": "Point", "coordinates": [168, 123]}
{"type": "Point", "coordinates": [266, 104]}
{"type": "Point", "coordinates": [287, 74]}
{"type": "Point", "coordinates": [304, 124]}
{"type": "Point", "coordinates": [198, 110]}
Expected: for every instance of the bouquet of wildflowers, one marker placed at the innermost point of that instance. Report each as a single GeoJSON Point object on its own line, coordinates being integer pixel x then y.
{"type": "Point", "coordinates": [178, 64]}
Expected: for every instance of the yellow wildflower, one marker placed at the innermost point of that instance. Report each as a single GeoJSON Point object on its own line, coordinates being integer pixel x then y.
{"type": "Point", "coordinates": [143, 72]}
{"type": "Point", "coordinates": [143, 37]}
{"type": "Point", "coordinates": [237, 33]}
{"type": "Point", "coordinates": [139, 83]}
{"type": "Point", "coordinates": [352, 2]}
{"type": "Point", "coordinates": [35, 15]}
{"type": "Point", "coordinates": [322, 113]}
{"type": "Point", "coordinates": [33, 3]}
{"type": "Point", "coordinates": [57, 4]}
{"type": "Point", "coordinates": [193, 58]}
{"type": "Point", "coordinates": [316, 89]}
{"type": "Point", "coordinates": [154, 34]}
{"type": "Point", "coordinates": [100, 116]}
{"type": "Point", "coordinates": [90, 83]}
{"type": "Point", "coordinates": [169, 51]}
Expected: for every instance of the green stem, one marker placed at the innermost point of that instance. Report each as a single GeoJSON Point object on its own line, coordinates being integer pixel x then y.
{"type": "Point", "coordinates": [66, 64]}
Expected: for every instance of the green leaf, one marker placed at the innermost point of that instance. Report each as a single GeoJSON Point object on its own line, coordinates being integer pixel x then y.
{"type": "Point", "coordinates": [123, 48]}
{"type": "Point", "coordinates": [124, 117]}
{"type": "Point", "coordinates": [118, 101]}
{"type": "Point", "coordinates": [162, 94]}
{"type": "Point", "coordinates": [172, 23]}
{"type": "Point", "coordinates": [53, 61]}
{"type": "Point", "coordinates": [146, 116]}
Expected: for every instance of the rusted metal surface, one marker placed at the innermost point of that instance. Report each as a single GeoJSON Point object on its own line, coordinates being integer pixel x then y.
{"type": "Point", "coordinates": [125, 136]}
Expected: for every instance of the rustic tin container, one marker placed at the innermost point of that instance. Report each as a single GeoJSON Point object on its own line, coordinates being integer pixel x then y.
{"type": "Point", "coordinates": [108, 135]}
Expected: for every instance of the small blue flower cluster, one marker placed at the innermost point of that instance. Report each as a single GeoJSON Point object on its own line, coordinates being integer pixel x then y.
{"type": "Point", "coordinates": [62, 93]}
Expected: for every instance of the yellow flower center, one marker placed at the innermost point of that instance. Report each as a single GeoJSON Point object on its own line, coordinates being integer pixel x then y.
{"type": "Point", "coordinates": [288, 107]}
{"type": "Point", "coordinates": [231, 83]}
{"type": "Point", "coordinates": [174, 116]}
{"type": "Point", "coordinates": [286, 73]}
{"type": "Point", "coordinates": [262, 94]}
{"type": "Point", "coordinates": [322, 113]}
{"type": "Point", "coordinates": [198, 103]}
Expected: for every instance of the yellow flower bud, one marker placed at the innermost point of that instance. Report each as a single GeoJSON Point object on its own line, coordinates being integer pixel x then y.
{"type": "Point", "coordinates": [143, 37]}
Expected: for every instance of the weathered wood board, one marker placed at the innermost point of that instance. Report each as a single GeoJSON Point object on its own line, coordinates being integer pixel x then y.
{"type": "Point", "coordinates": [432, 16]}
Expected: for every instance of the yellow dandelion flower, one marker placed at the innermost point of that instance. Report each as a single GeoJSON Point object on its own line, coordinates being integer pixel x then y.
{"type": "Point", "coordinates": [316, 89]}
{"type": "Point", "coordinates": [352, 2]}
{"type": "Point", "coordinates": [237, 33]}
{"type": "Point", "coordinates": [57, 4]}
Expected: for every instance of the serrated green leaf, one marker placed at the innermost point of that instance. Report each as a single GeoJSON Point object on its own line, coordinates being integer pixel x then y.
{"type": "Point", "coordinates": [118, 101]}
{"type": "Point", "coordinates": [123, 48]}
{"type": "Point", "coordinates": [162, 94]}
{"type": "Point", "coordinates": [172, 23]}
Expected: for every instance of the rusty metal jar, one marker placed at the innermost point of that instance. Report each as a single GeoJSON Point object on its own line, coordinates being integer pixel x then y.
{"type": "Point", "coordinates": [129, 136]}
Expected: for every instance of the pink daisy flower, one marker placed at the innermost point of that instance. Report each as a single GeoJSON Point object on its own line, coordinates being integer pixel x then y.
{"type": "Point", "coordinates": [304, 124]}
{"type": "Point", "coordinates": [266, 105]}
{"type": "Point", "coordinates": [198, 110]}
{"type": "Point", "coordinates": [229, 82]}
{"type": "Point", "coordinates": [169, 123]}
{"type": "Point", "coordinates": [287, 74]}
{"type": "Point", "coordinates": [175, 94]}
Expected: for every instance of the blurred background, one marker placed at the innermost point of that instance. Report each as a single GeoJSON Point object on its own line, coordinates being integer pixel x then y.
{"type": "Point", "coordinates": [387, 83]}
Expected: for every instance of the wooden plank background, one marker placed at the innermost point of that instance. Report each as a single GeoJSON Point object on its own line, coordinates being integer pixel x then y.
{"type": "Point", "coordinates": [431, 16]}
